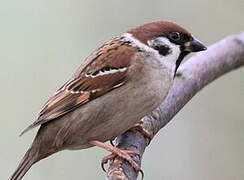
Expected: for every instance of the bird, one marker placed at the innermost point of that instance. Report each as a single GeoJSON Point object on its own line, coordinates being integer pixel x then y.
{"type": "Point", "coordinates": [115, 87]}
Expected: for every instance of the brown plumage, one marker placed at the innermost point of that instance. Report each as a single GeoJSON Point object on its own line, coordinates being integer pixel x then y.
{"type": "Point", "coordinates": [81, 88]}
{"type": "Point", "coordinates": [148, 31]}
{"type": "Point", "coordinates": [118, 84]}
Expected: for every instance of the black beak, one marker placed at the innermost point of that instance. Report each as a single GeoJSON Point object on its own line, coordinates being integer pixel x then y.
{"type": "Point", "coordinates": [190, 46]}
{"type": "Point", "coordinates": [194, 46]}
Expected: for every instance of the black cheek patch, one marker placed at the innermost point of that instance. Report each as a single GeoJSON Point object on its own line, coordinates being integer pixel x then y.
{"type": "Point", "coordinates": [163, 50]}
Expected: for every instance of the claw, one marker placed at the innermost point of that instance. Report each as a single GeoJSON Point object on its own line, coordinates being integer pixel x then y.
{"type": "Point", "coordinates": [142, 174]}
{"type": "Point", "coordinates": [111, 156]}
{"type": "Point", "coordinates": [103, 168]}
{"type": "Point", "coordinates": [105, 160]}
{"type": "Point", "coordinates": [123, 154]}
{"type": "Point", "coordinates": [111, 142]}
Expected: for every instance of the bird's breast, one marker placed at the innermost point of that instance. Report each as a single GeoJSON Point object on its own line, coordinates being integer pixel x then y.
{"type": "Point", "coordinates": [112, 114]}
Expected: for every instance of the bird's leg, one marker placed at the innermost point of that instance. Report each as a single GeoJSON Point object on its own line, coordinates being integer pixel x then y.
{"type": "Point", "coordinates": [138, 127]}
{"type": "Point", "coordinates": [116, 152]}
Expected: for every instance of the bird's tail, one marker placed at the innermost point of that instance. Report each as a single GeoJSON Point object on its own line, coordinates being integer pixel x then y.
{"type": "Point", "coordinates": [28, 160]}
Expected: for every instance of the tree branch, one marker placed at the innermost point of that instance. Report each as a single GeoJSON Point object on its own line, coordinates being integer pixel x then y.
{"type": "Point", "coordinates": [192, 76]}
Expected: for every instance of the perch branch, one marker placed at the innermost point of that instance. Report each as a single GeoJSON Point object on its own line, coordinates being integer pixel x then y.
{"type": "Point", "coordinates": [196, 73]}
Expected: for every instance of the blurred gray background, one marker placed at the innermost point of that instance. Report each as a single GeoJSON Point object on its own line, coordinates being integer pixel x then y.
{"type": "Point", "coordinates": [42, 43]}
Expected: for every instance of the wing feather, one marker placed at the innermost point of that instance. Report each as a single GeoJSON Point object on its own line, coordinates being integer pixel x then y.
{"type": "Point", "coordinates": [104, 70]}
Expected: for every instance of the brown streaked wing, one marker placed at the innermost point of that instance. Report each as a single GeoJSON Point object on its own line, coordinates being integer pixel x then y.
{"type": "Point", "coordinates": [82, 88]}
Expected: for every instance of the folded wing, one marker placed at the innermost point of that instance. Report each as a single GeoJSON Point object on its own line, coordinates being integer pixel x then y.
{"type": "Point", "coordinates": [104, 70]}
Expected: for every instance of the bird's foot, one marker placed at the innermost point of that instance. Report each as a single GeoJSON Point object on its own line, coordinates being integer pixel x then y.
{"type": "Point", "coordinates": [123, 154]}
{"type": "Point", "coordinates": [143, 131]}
{"type": "Point", "coordinates": [116, 152]}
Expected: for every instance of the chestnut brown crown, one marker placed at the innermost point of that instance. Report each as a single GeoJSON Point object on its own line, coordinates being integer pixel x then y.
{"type": "Point", "coordinates": [151, 30]}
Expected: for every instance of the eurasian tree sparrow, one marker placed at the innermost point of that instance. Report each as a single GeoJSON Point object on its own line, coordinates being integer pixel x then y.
{"type": "Point", "coordinates": [118, 84]}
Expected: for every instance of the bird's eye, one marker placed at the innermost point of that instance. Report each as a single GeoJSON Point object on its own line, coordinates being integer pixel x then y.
{"type": "Point", "coordinates": [175, 36]}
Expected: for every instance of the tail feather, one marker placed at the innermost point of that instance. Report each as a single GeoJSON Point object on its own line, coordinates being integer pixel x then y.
{"type": "Point", "coordinates": [25, 164]}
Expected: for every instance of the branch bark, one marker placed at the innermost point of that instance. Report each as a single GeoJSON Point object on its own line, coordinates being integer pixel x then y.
{"type": "Point", "coordinates": [201, 69]}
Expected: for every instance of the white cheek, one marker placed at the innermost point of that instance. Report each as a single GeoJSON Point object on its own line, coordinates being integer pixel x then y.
{"type": "Point", "coordinates": [170, 59]}
{"type": "Point", "coordinates": [174, 54]}
{"type": "Point", "coordinates": [174, 48]}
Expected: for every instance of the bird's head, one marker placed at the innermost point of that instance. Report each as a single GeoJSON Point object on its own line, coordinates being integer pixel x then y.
{"type": "Point", "coordinates": [169, 39]}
